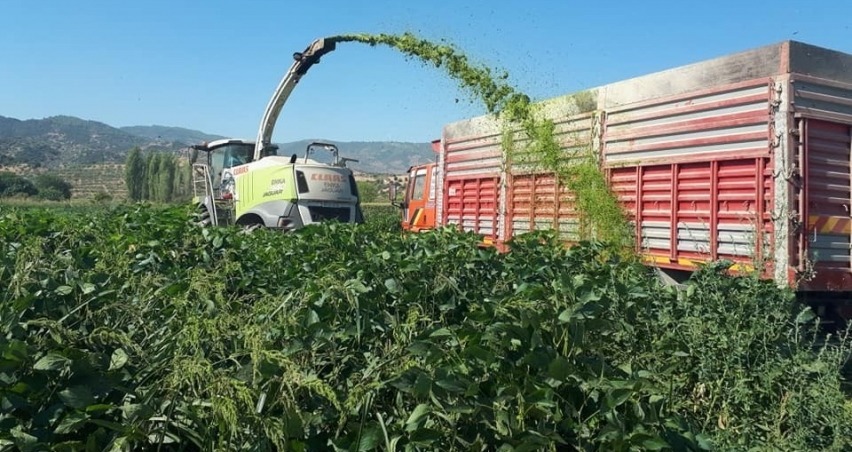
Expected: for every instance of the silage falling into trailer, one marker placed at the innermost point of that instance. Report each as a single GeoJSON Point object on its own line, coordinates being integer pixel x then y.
{"type": "Point", "coordinates": [600, 214]}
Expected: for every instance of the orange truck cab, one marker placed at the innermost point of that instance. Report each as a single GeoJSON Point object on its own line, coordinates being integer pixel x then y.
{"type": "Point", "coordinates": [418, 207]}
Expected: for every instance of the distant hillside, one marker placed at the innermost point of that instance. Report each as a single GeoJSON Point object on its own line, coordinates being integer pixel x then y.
{"type": "Point", "coordinates": [62, 141]}
{"type": "Point", "coordinates": [382, 157]}
{"type": "Point", "coordinates": [174, 134]}
{"type": "Point", "coordinates": [66, 140]}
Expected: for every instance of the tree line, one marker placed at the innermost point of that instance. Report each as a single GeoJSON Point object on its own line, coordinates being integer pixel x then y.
{"type": "Point", "coordinates": [156, 176]}
{"type": "Point", "coordinates": [44, 186]}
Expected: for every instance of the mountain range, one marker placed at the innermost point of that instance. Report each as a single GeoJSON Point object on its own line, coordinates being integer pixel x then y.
{"type": "Point", "coordinates": [62, 141]}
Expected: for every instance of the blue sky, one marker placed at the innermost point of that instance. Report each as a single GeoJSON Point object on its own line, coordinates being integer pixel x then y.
{"type": "Point", "coordinates": [212, 65]}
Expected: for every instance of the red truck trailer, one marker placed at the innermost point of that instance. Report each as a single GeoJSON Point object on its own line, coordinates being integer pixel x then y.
{"type": "Point", "coordinates": [744, 157]}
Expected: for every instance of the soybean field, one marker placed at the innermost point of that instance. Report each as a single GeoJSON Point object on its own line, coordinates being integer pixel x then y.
{"type": "Point", "coordinates": [128, 327]}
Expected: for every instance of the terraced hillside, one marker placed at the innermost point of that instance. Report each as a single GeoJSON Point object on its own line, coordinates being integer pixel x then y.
{"type": "Point", "coordinates": [88, 180]}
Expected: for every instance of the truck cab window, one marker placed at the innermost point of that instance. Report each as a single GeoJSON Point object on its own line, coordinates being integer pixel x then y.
{"type": "Point", "coordinates": [419, 186]}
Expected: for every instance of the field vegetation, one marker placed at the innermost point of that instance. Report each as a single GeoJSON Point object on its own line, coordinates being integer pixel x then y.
{"type": "Point", "coordinates": [129, 327]}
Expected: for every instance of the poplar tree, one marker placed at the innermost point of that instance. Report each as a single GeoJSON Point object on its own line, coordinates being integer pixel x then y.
{"type": "Point", "coordinates": [152, 164]}
{"type": "Point", "coordinates": [166, 178]}
{"type": "Point", "coordinates": [134, 174]}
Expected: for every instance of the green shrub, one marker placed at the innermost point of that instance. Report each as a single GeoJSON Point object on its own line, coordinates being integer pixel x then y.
{"type": "Point", "coordinates": [102, 197]}
{"type": "Point", "coordinates": [751, 364]}
{"type": "Point", "coordinates": [386, 218]}
{"type": "Point", "coordinates": [13, 185]}
{"type": "Point", "coordinates": [52, 187]}
{"type": "Point", "coordinates": [370, 191]}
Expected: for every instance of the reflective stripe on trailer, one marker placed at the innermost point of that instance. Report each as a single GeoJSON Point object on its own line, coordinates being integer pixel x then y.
{"type": "Point", "coordinates": [692, 263]}
{"type": "Point", "coordinates": [830, 225]}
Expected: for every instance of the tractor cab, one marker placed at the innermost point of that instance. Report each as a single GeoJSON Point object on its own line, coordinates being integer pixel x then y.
{"type": "Point", "coordinates": [221, 156]}
{"type": "Point", "coordinates": [224, 154]}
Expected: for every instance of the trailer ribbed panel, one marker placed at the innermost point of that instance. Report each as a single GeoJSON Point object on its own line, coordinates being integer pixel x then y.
{"type": "Point", "coordinates": [472, 204]}
{"type": "Point", "coordinates": [536, 198]}
{"type": "Point", "coordinates": [714, 125]}
{"type": "Point", "coordinates": [573, 134]}
{"type": "Point", "coordinates": [829, 195]}
{"type": "Point", "coordinates": [690, 212]}
{"type": "Point", "coordinates": [539, 202]}
{"type": "Point", "coordinates": [473, 164]}
{"type": "Point", "coordinates": [823, 99]}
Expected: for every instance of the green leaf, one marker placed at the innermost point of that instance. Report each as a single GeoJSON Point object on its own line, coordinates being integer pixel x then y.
{"type": "Point", "coordinates": [451, 384]}
{"type": "Point", "coordinates": [392, 285]}
{"type": "Point", "coordinates": [137, 412]}
{"type": "Point", "coordinates": [649, 442]}
{"type": "Point", "coordinates": [703, 442]}
{"type": "Point", "coordinates": [805, 316]}
{"type": "Point", "coordinates": [370, 438]}
{"type": "Point", "coordinates": [77, 397]}
{"type": "Point", "coordinates": [590, 296]}
{"type": "Point", "coordinates": [559, 369]}
{"type": "Point", "coordinates": [118, 359]}
{"type": "Point", "coordinates": [119, 444]}
{"type": "Point", "coordinates": [87, 288]}
{"type": "Point", "coordinates": [71, 422]}
{"type": "Point", "coordinates": [419, 413]}
{"type": "Point", "coordinates": [618, 397]}
{"type": "Point", "coordinates": [51, 361]}
{"type": "Point", "coordinates": [425, 436]}
{"type": "Point", "coordinates": [99, 407]}
{"type": "Point", "coordinates": [422, 385]}
{"type": "Point", "coordinates": [479, 354]}
{"type": "Point", "coordinates": [115, 426]}
{"type": "Point", "coordinates": [441, 332]}
{"type": "Point", "coordinates": [69, 446]}
{"type": "Point", "coordinates": [64, 290]}
{"type": "Point", "coordinates": [24, 440]}
{"type": "Point", "coordinates": [357, 286]}
{"type": "Point", "coordinates": [311, 317]}
{"type": "Point", "coordinates": [15, 350]}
